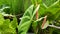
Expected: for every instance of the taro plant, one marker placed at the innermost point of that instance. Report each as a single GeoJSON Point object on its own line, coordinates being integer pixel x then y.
{"type": "Point", "coordinates": [44, 18]}
{"type": "Point", "coordinates": [27, 19]}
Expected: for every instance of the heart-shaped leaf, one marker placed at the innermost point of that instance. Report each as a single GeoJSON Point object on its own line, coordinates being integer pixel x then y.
{"type": "Point", "coordinates": [27, 19]}
{"type": "Point", "coordinates": [49, 3]}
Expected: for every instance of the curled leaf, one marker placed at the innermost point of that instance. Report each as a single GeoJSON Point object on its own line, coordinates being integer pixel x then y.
{"type": "Point", "coordinates": [45, 25]}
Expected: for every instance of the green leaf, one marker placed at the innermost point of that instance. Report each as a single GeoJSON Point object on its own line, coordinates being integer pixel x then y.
{"type": "Point", "coordinates": [49, 3]}
{"type": "Point", "coordinates": [24, 27]}
{"type": "Point", "coordinates": [27, 15]}
{"type": "Point", "coordinates": [45, 25]}
{"type": "Point", "coordinates": [34, 25]}
{"type": "Point", "coordinates": [27, 19]}
{"type": "Point", "coordinates": [37, 8]}
{"type": "Point", "coordinates": [14, 23]}
{"type": "Point", "coordinates": [25, 22]}
{"type": "Point", "coordinates": [6, 24]}
{"type": "Point", "coordinates": [1, 19]}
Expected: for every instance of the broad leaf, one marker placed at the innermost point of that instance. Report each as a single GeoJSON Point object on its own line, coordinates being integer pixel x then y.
{"type": "Point", "coordinates": [28, 13]}
{"type": "Point", "coordinates": [25, 22]}
{"type": "Point", "coordinates": [27, 19]}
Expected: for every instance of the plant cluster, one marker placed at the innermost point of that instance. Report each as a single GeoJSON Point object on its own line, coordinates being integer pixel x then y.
{"type": "Point", "coordinates": [42, 15]}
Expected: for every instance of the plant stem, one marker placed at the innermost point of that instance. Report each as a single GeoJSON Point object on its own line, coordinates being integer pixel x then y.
{"type": "Point", "coordinates": [54, 26]}
{"type": "Point", "coordinates": [36, 11]}
{"type": "Point", "coordinates": [36, 17]}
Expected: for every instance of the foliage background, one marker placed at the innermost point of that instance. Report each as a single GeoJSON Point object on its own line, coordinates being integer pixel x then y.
{"type": "Point", "coordinates": [18, 7]}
